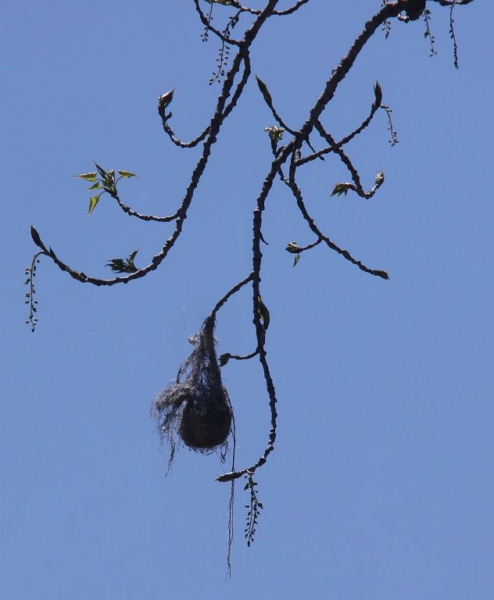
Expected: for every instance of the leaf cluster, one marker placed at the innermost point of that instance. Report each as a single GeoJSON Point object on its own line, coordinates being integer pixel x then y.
{"type": "Point", "coordinates": [105, 181]}
{"type": "Point", "coordinates": [121, 265]}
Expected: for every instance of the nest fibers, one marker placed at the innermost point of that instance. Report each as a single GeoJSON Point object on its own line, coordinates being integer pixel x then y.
{"type": "Point", "coordinates": [196, 407]}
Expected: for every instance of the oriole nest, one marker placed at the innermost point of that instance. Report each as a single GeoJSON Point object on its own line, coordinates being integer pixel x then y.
{"type": "Point", "coordinates": [195, 409]}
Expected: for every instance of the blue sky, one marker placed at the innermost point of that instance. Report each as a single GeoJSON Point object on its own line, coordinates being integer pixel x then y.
{"type": "Point", "coordinates": [382, 482]}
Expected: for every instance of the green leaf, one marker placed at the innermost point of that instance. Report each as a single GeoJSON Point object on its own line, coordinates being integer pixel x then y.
{"type": "Point", "coordinates": [342, 188]}
{"type": "Point", "coordinates": [296, 259]}
{"type": "Point", "coordinates": [87, 176]}
{"type": "Point", "coordinates": [96, 186]}
{"type": "Point", "coordinates": [130, 259]}
{"type": "Point", "coordinates": [126, 174]}
{"type": "Point", "coordinates": [263, 312]}
{"type": "Point", "coordinates": [101, 171]}
{"type": "Point", "coordinates": [93, 201]}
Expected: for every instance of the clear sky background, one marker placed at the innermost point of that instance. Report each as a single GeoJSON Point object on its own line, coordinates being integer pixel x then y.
{"type": "Point", "coordinates": [382, 483]}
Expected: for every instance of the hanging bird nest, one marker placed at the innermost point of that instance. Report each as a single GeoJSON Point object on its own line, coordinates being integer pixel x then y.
{"type": "Point", "coordinates": [196, 409]}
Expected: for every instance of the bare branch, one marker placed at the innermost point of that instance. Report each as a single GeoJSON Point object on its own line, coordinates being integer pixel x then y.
{"type": "Point", "coordinates": [230, 293]}
{"type": "Point", "coordinates": [292, 9]}
{"type": "Point", "coordinates": [348, 164]}
{"type": "Point", "coordinates": [315, 229]}
{"type": "Point", "coordinates": [132, 213]}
